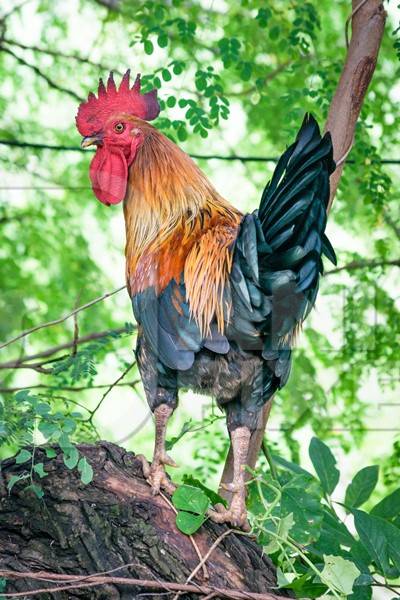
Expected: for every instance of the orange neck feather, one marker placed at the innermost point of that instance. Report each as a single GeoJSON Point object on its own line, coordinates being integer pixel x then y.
{"type": "Point", "coordinates": [169, 205]}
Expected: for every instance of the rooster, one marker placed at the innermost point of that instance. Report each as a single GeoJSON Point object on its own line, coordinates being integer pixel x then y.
{"type": "Point", "coordinates": [218, 296]}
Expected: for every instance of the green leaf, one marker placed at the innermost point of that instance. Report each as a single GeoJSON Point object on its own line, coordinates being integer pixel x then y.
{"type": "Point", "coordinates": [301, 497]}
{"type": "Point", "coordinates": [190, 498]}
{"type": "Point", "coordinates": [284, 579]}
{"type": "Point", "coordinates": [71, 457]}
{"type": "Point", "coordinates": [189, 523]}
{"type": "Point", "coordinates": [23, 456]}
{"type": "Point", "coordinates": [361, 487]}
{"type": "Point", "coordinates": [171, 101]}
{"type": "Point", "coordinates": [86, 471]}
{"type": "Point", "coordinates": [50, 452]}
{"type": "Point", "coordinates": [162, 41]}
{"type": "Point", "coordinates": [182, 134]}
{"type": "Point", "coordinates": [339, 573]}
{"type": "Point", "coordinates": [334, 534]}
{"type": "Point", "coordinates": [274, 32]}
{"type": "Point", "coordinates": [148, 47]}
{"type": "Point", "coordinates": [324, 464]}
{"type": "Point", "coordinates": [381, 540]}
{"type": "Point", "coordinates": [213, 496]}
{"type": "Point", "coordinates": [290, 466]}
{"type": "Point", "coordinates": [65, 443]}
{"type": "Point", "coordinates": [42, 409]}
{"type": "Point", "coordinates": [14, 479]}
{"type": "Point", "coordinates": [48, 429]}
{"type": "Point", "coordinates": [389, 507]}
{"type": "Point", "coordinates": [36, 489]}
{"type": "Point", "coordinates": [39, 469]}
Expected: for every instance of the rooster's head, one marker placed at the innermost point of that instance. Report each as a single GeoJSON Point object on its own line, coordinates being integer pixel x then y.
{"type": "Point", "coordinates": [115, 122]}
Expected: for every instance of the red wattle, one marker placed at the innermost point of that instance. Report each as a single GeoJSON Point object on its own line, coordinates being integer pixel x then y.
{"type": "Point", "coordinates": [109, 175]}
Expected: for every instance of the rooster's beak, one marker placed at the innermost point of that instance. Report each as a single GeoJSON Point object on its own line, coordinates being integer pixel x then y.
{"type": "Point", "coordinates": [89, 140]}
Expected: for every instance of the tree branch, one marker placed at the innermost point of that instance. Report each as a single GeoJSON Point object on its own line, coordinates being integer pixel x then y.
{"type": "Point", "coordinates": [40, 73]}
{"type": "Point", "coordinates": [57, 54]}
{"type": "Point", "coordinates": [22, 360]}
{"type": "Point", "coordinates": [61, 319]}
{"type": "Point", "coordinates": [75, 582]}
{"type": "Point", "coordinates": [362, 264]}
{"type": "Point", "coordinates": [67, 388]}
{"type": "Point", "coordinates": [368, 24]}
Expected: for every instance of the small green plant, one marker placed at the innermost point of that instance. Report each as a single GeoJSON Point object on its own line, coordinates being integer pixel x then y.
{"type": "Point", "coordinates": [307, 533]}
{"type": "Point", "coordinates": [35, 417]}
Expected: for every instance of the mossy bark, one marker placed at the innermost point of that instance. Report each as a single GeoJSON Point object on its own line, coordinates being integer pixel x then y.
{"type": "Point", "coordinates": [114, 520]}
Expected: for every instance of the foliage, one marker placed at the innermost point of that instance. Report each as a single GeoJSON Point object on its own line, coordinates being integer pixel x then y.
{"type": "Point", "coordinates": [35, 417]}
{"type": "Point", "coordinates": [300, 525]}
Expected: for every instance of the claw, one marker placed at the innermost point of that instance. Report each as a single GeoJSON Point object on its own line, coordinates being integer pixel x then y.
{"type": "Point", "coordinates": [231, 487]}
{"type": "Point", "coordinates": [155, 474]}
{"type": "Point", "coordinates": [234, 516]}
{"type": "Point", "coordinates": [167, 460]}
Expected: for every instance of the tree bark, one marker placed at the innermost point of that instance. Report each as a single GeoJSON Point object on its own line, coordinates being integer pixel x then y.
{"type": "Point", "coordinates": [367, 23]}
{"type": "Point", "coordinates": [84, 529]}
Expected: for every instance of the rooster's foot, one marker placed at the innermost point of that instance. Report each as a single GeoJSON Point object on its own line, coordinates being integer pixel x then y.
{"type": "Point", "coordinates": [235, 515]}
{"type": "Point", "coordinates": [155, 473]}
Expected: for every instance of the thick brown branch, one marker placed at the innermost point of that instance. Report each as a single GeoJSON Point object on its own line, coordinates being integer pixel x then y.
{"type": "Point", "coordinates": [367, 30]}
{"type": "Point", "coordinates": [116, 537]}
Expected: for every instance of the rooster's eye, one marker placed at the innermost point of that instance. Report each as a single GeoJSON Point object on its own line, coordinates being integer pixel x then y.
{"type": "Point", "coordinates": [119, 127]}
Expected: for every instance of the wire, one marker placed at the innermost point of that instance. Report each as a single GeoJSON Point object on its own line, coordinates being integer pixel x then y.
{"type": "Point", "coordinates": [62, 148]}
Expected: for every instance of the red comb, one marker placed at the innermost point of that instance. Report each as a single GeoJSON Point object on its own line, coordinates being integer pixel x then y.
{"type": "Point", "coordinates": [93, 113]}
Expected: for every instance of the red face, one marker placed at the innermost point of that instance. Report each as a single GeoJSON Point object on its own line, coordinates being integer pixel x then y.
{"type": "Point", "coordinates": [117, 144]}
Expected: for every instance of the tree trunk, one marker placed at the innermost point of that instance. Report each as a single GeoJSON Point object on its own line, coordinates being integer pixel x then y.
{"type": "Point", "coordinates": [78, 529]}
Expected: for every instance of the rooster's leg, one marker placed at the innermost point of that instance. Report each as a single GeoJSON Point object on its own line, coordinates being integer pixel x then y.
{"type": "Point", "coordinates": [236, 514]}
{"type": "Point", "coordinates": [155, 473]}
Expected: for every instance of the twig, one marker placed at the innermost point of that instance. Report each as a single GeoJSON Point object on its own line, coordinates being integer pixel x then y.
{"type": "Point", "coordinates": [67, 388]}
{"type": "Point", "coordinates": [362, 264]}
{"type": "Point", "coordinates": [58, 54]}
{"type": "Point", "coordinates": [109, 389]}
{"type": "Point", "coordinates": [40, 73]}
{"type": "Point", "coordinates": [62, 319]}
{"type": "Point", "coordinates": [205, 571]}
{"type": "Point", "coordinates": [392, 224]}
{"type": "Point", "coordinates": [269, 77]}
{"type": "Point", "coordinates": [75, 582]}
{"type": "Point", "coordinates": [54, 349]}
{"type": "Point", "coordinates": [14, 9]}
{"type": "Point", "coordinates": [76, 330]}
{"type": "Point", "coordinates": [270, 461]}
{"type": "Point", "coordinates": [349, 18]}
{"type": "Point", "coordinates": [208, 554]}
